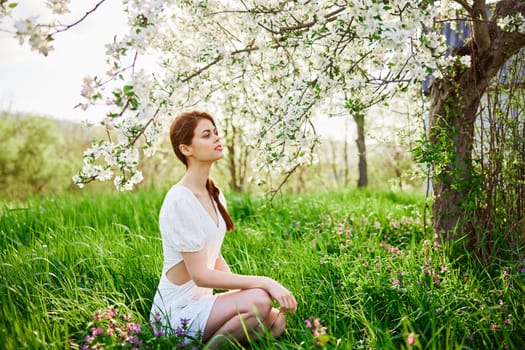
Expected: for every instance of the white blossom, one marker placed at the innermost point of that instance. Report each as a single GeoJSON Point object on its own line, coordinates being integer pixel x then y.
{"type": "Point", "coordinates": [512, 23]}
{"type": "Point", "coordinates": [58, 7]}
{"type": "Point", "coordinates": [38, 39]}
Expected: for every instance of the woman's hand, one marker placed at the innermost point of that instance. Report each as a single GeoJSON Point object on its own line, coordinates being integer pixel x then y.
{"type": "Point", "coordinates": [283, 296]}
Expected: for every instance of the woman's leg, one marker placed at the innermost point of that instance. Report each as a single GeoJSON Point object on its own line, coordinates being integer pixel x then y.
{"type": "Point", "coordinates": [239, 314]}
{"type": "Point", "coordinates": [276, 322]}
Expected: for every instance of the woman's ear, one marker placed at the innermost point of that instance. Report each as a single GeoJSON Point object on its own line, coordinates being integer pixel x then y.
{"type": "Point", "coordinates": [185, 150]}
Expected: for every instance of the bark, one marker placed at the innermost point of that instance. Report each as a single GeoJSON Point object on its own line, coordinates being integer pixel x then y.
{"type": "Point", "coordinates": [454, 106]}
{"type": "Point", "coordinates": [361, 149]}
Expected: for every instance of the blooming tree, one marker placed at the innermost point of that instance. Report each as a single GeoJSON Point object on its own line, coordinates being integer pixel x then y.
{"type": "Point", "coordinates": [285, 60]}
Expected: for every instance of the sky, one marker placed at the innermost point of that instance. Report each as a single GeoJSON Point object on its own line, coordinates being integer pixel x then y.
{"type": "Point", "coordinates": [50, 86]}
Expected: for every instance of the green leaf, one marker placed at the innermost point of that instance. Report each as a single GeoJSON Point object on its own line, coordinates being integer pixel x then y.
{"type": "Point", "coordinates": [128, 90]}
{"type": "Point", "coordinates": [134, 104]}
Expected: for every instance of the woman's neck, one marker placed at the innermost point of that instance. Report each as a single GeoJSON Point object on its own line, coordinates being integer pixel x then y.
{"type": "Point", "coordinates": [196, 177]}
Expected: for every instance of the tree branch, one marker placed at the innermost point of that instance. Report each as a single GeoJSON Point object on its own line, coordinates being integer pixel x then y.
{"type": "Point", "coordinates": [480, 27]}
{"type": "Point", "coordinates": [80, 20]}
{"type": "Point", "coordinates": [465, 5]}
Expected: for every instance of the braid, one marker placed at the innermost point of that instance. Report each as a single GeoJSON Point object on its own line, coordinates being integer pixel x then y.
{"type": "Point", "coordinates": [214, 193]}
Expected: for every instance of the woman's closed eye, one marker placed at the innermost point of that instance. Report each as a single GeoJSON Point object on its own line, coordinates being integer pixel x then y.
{"type": "Point", "coordinates": [208, 134]}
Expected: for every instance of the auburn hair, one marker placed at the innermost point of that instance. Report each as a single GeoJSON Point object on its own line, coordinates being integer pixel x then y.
{"type": "Point", "coordinates": [182, 131]}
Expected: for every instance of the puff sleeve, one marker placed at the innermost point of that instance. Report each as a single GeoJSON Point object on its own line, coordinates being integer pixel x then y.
{"type": "Point", "coordinates": [180, 225]}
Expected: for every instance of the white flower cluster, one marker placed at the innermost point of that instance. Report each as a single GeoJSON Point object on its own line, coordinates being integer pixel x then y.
{"type": "Point", "coordinates": [117, 156]}
{"type": "Point", "coordinates": [513, 23]}
{"type": "Point", "coordinates": [38, 37]}
{"type": "Point", "coordinates": [6, 7]}
{"type": "Point", "coordinates": [58, 7]}
{"type": "Point", "coordinates": [290, 73]}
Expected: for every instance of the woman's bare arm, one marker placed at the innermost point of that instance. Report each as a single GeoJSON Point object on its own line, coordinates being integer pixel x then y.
{"type": "Point", "coordinates": [217, 279]}
{"type": "Point", "coordinates": [222, 265]}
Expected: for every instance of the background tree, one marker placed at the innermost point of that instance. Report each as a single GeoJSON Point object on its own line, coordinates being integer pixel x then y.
{"type": "Point", "coordinates": [361, 150]}
{"type": "Point", "coordinates": [235, 128]}
{"type": "Point", "coordinates": [33, 159]}
{"type": "Point", "coordinates": [455, 102]}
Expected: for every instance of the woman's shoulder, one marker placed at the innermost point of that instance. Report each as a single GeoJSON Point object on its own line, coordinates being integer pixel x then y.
{"type": "Point", "coordinates": [178, 193]}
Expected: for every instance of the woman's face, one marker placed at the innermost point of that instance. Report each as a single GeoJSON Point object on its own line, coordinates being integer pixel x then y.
{"type": "Point", "coordinates": [206, 144]}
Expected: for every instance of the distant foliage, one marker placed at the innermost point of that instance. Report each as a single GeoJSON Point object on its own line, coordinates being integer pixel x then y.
{"type": "Point", "coordinates": [39, 156]}
{"type": "Point", "coordinates": [33, 159]}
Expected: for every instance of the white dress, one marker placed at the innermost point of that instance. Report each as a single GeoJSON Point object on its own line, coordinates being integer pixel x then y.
{"type": "Point", "coordinates": [186, 226]}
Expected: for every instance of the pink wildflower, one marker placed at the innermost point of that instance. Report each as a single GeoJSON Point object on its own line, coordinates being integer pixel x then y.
{"type": "Point", "coordinates": [395, 282]}
{"type": "Point", "coordinates": [96, 331]}
{"type": "Point", "coordinates": [494, 326]}
{"type": "Point", "coordinates": [318, 331]}
{"type": "Point", "coordinates": [411, 339]}
{"type": "Point", "coordinates": [436, 279]}
{"type": "Point", "coordinates": [394, 223]}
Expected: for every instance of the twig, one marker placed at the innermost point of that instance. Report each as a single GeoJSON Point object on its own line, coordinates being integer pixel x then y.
{"type": "Point", "coordinates": [81, 19]}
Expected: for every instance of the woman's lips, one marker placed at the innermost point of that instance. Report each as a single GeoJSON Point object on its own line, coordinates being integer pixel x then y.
{"type": "Point", "coordinates": [218, 148]}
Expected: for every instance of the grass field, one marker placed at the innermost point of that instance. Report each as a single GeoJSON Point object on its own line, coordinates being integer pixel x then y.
{"type": "Point", "coordinates": [359, 261]}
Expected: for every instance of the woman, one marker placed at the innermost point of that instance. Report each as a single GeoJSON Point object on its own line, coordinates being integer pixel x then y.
{"type": "Point", "coordinates": [193, 220]}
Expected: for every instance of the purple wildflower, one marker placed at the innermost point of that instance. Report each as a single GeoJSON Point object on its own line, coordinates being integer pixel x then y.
{"type": "Point", "coordinates": [180, 332]}
{"type": "Point", "coordinates": [308, 323]}
{"type": "Point", "coordinates": [158, 332]}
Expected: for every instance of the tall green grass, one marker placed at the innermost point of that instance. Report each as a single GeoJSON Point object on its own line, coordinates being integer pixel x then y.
{"type": "Point", "coordinates": [362, 262]}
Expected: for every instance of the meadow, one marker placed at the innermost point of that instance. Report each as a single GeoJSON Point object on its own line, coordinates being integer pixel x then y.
{"type": "Point", "coordinates": [363, 263]}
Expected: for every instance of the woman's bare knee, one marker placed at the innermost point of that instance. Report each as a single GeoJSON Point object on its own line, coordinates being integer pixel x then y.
{"type": "Point", "coordinates": [262, 302]}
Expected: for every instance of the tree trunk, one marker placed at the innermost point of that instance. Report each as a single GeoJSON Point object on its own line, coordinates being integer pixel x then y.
{"type": "Point", "coordinates": [361, 149]}
{"type": "Point", "coordinates": [236, 154]}
{"type": "Point", "coordinates": [452, 117]}
{"type": "Point", "coordinates": [454, 106]}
